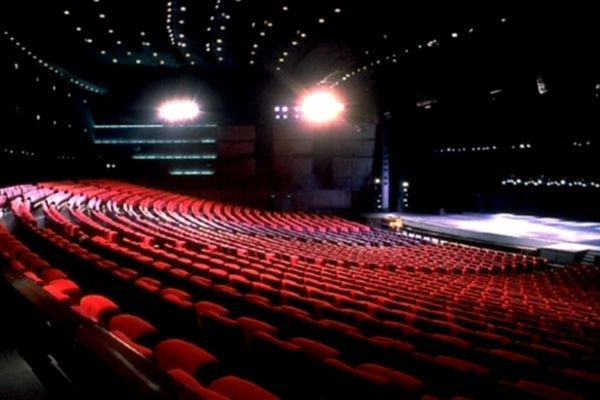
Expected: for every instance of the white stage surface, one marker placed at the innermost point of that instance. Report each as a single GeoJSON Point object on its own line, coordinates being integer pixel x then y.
{"type": "Point", "coordinates": [507, 230]}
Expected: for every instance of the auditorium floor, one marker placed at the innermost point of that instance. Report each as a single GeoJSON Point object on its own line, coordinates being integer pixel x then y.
{"type": "Point", "coordinates": [17, 380]}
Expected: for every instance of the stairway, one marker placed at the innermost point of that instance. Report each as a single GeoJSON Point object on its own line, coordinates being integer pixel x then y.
{"type": "Point", "coordinates": [591, 257]}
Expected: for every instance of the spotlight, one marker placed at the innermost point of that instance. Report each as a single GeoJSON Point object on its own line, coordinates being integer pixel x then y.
{"type": "Point", "coordinates": [321, 107]}
{"type": "Point", "coordinates": [179, 110]}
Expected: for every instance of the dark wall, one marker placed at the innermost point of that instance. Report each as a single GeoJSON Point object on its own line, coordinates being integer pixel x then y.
{"type": "Point", "coordinates": [534, 81]}
{"type": "Point", "coordinates": [46, 123]}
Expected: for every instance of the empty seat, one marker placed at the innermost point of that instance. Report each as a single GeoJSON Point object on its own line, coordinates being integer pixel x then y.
{"type": "Point", "coordinates": [106, 264]}
{"type": "Point", "coordinates": [67, 287]}
{"type": "Point", "coordinates": [395, 344]}
{"type": "Point", "coordinates": [461, 366]}
{"type": "Point", "coordinates": [202, 307]}
{"type": "Point", "coordinates": [179, 273]}
{"type": "Point", "coordinates": [236, 388]}
{"type": "Point", "coordinates": [96, 307]}
{"type": "Point", "coordinates": [58, 295]}
{"type": "Point", "coordinates": [133, 330]}
{"type": "Point", "coordinates": [200, 282]}
{"type": "Point", "coordinates": [125, 274]}
{"type": "Point", "coordinates": [192, 384]}
{"type": "Point", "coordinates": [403, 381]}
{"type": "Point", "coordinates": [144, 351]}
{"type": "Point", "coordinates": [279, 356]}
{"type": "Point", "coordinates": [177, 297]}
{"type": "Point", "coordinates": [33, 276]}
{"type": "Point", "coordinates": [50, 274]}
{"type": "Point", "coordinates": [240, 282]}
{"type": "Point", "coordinates": [514, 357]}
{"type": "Point", "coordinates": [161, 266]}
{"type": "Point", "coordinates": [178, 354]}
{"type": "Point", "coordinates": [543, 352]}
{"type": "Point", "coordinates": [217, 275]}
{"type": "Point", "coordinates": [16, 265]}
{"type": "Point", "coordinates": [251, 326]}
{"type": "Point", "coordinates": [582, 382]}
{"type": "Point", "coordinates": [314, 349]}
{"type": "Point", "coordinates": [148, 285]}
{"type": "Point", "coordinates": [346, 382]}
{"type": "Point", "coordinates": [536, 390]}
{"type": "Point", "coordinates": [34, 262]}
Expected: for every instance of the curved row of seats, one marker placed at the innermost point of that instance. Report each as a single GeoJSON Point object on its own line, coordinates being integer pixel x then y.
{"type": "Point", "coordinates": [398, 253]}
{"type": "Point", "coordinates": [351, 289]}
{"type": "Point", "coordinates": [167, 306]}
{"type": "Point", "coordinates": [458, 346]}
{"type": "Point", "coordinates": [367, 327]}
{"type": "Point", "coordinates": [382, 248]}
{"type": "Point", "coordinates": [426, 270]}
{"type": "Point", "coordinates": [14, 191]}
{"type": "Point", "coordinates": [183, 361]}
{"type": "Point", "coordinates": [98, 309]}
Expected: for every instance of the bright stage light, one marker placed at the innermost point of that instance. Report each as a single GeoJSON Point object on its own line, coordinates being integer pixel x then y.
{"type": "Point", "coordinates": [179, 110]}
{"type": "Point", "coordinates": [321, 107]}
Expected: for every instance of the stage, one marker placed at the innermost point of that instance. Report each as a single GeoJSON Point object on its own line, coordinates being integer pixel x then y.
{"type": "Point", "coordinates": [559, 240]}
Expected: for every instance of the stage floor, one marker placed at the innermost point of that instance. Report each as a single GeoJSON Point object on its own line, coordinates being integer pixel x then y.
{"type": "Point", "coordinates": [508, 229]}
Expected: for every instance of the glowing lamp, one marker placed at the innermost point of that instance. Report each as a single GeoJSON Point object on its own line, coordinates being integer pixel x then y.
{"type": "Point", "coordinates": [179, 111]}
{"type": "Point", "coordinates": [321, 107]}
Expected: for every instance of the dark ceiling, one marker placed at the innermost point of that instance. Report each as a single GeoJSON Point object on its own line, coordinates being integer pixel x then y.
{"type": "Point", "coordinates": [431, 47]}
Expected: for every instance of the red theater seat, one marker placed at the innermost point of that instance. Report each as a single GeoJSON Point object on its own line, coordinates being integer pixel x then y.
{"type": "Point", "coordinates": [58, 295]}
{"type": "Point", "coordinates": [134, 327]}
{"type": "Point", "coordinates": [177, 297]}
{"type": "Point", "coordinates": [50, 274]}
{"type": "Point", "coordinates": [32, 276]}
{"type": "Point", "coordinates": [125, 274]}
{"type": "Point", "coordinates": [239, 389]}
{"type": "Point", "coordinates": [461, 366]}
{"type": "Point", "coordinates": [315, 350]}
{"type": "Point", "coordinates": [251, 326]}
{"type": "Point", "coordinates": [536, 390]}
{"type": "Point", "coordinates": [191, 383]}
{"type": "Point", "coordinates": [178, 354]}
{"type": "Point", "coordinates": [514, 357]}
{"type": "Point", "coordinates": [106, 264]}
{"type": "Point", "coordinates": [67, 287]}
{"type": "Point", "coordinates": [148, 285]}
{"type": "Point", "coordinates": [179, 273]}
{"type": "Point", "coordinates": [405, 382]}
{"type": "Point", "coordinates": [353, 383]}
{"type": "Point", "coordinates": [203, 307]}
{"type": "Point", "coordinates": [97, 308]}
{"type": "Point", "coordinates": [161, 266]}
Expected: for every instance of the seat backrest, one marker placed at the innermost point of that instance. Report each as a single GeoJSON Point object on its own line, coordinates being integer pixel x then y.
{"type": "Point", "coordinates": [239, 389]}
{"type": "Point", "coordinates": [134, 327]}
{"type": "Point", "coordinates": [97, 307]}
{"type": "Point", "coordinates": [177, 353]}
